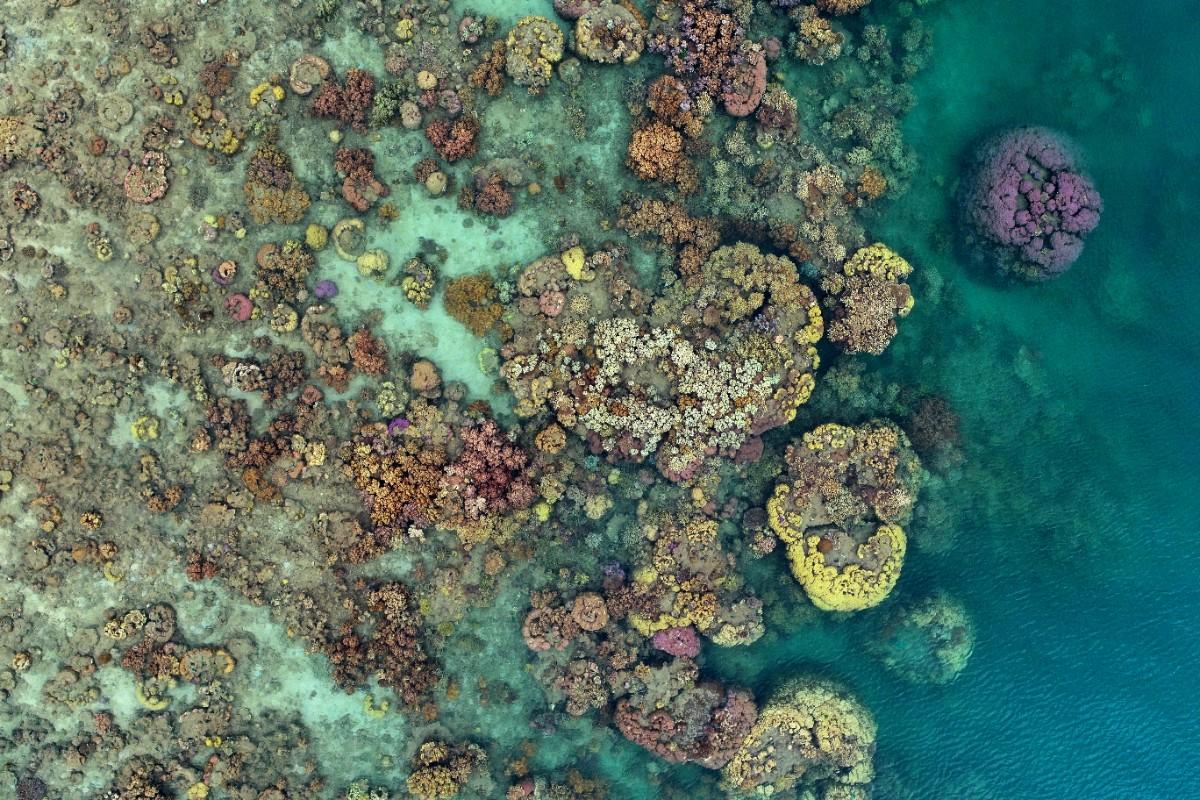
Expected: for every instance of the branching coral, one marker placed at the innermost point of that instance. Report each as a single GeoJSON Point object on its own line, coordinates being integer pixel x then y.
{"type": "Point", "coordinates": [273, 192]}
{"type": "Point", "coordinates": [678, 718]}
{"type": "Point", "coordinates": [350, 102]}
{"type": "Point", "coordinates": [489, 478]}
{"type": "Point", "coordinates": [399, 477]}
{"type": "Point", "coordinates": [473, 301]}
{"type": "Point", "coordinates": [655, 153]}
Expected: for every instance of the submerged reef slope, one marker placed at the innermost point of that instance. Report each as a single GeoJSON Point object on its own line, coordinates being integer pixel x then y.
{"type": "Point", "coordinates": [403, 396]}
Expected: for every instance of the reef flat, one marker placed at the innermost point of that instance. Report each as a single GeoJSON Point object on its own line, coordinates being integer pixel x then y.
{"type": "Point", "coordinates": [575, 399]}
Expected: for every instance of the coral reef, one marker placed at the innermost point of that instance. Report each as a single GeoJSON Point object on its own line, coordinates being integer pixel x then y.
{"type": "Point", "coordinates": [349, 102]}
{"type": "Point", "coordinates": [667, 388]}
{"type": "Point", "coordinates": [238, 380]}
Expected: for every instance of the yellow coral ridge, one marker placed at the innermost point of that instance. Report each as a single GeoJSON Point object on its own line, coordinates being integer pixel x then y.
{"type": "Point", "coordinates": [144, 428]}
{"type": "Point", "coordinates": [853, 587]}
{"type": "Point", "coordinates": [262, 89]}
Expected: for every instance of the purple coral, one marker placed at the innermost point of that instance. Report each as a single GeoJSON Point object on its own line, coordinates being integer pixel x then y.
{"type": "Point", "coordinates": [325, 290]}
{"type": "Point", "coordinates": [1026, 205]}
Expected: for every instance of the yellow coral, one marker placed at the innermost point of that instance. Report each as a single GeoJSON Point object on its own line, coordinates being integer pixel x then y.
{"type": "Point", "coordinates": [256, 94]}
{"type": "Point", "coordinates": [264, 88]}
{"type": "Point", "coordinates": [375, 711]}
{"type": "Point", "coordinates": [372, 263]}
{"type": "Point", "coordinates": [149, 700]}
{"type": "Point", "coordinates": [533, 47]}
{"type": "Point", "coordinates": [575, 262]}
{"type": "Point", "coordinates": [854, 587]}
{"type": "Point", "coordinates": [144, 428]}
{"type": "Point", "coordinates": [226, 141]}
{"type": "Point", "coordinates": [879, 261]}
{"type": "Point", "coordinates": [284, 318]}
{"type": "Point", "coordinates": [316, 236]}
{"type": "Point", "coordinates": [433, 783]}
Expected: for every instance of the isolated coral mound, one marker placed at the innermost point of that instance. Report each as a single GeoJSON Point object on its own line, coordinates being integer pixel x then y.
{"type": "Point", "coordinates": [839, 510]}
{"type": "Point", "coordinates": [1026, 205]}
{"type": "Point", "coordinates": [811, 734]}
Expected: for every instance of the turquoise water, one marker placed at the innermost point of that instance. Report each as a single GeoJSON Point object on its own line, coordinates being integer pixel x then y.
{"type": "Point", "coordinates": [1075, 543]}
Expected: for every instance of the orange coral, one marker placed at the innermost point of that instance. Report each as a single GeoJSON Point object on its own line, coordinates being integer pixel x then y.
{"type": "Point", "coordinates": [399, 479]}
{"type": "Point", "coordinates": [694, 238]}
{"type": "Point", "coordinates": [489, 75]}
{"type": "Point", "coordinates": [272, 191]}
{"type": "Point", "coordinates": [872, 183]}
{"type": "Point", "coordinates": [656, 153]}
{"type": "Point", "coordinates": [668, 100]}
{"type": "Point", "coordinates": [367, 353]}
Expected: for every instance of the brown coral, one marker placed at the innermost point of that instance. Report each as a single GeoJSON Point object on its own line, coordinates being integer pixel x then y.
{"type": "Point", "coordinates": [474, 301]}
{"type": "Point", "coordinates": [655, 153]}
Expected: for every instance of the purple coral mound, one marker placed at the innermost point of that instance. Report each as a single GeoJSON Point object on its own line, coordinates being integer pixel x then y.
{"type": "Point", "coordinates": [1026, 204]}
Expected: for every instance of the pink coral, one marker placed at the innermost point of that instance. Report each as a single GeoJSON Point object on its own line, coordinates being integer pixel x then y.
{"type": "Point", "coordinates": [747, 82]}
{"type": "Point", "coordinates": [348, 103]}
{"type": "Point", "coordinates": [1027, 205]}
{"type": "Point", "coordinates": [453, 140]}
{"type": "Point", "coordinates": [360, 187]}
{"type": "Point", "coordinates": [681, 642]}
{"type": "Point", "coordinates": [490, 476]}
{"type": "Point", "coordinates": [678, 719]}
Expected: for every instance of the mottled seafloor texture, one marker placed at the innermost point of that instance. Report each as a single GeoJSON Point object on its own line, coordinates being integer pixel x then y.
{"type": "Point", "coordinates": [531, 413]}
